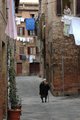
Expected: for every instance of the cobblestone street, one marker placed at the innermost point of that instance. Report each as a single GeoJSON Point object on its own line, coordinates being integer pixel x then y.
{"type": "Point", "coordinates": [58, 108]}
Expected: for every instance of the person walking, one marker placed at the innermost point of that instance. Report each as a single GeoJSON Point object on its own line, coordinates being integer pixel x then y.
{"type": "Point", "coordinates": [43, 90]}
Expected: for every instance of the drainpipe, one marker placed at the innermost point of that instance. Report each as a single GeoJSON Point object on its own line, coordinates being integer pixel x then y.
{"type": "Point", "coordinates": [44, 47]}
{"type": "Point", "coordinates": [63, 72]}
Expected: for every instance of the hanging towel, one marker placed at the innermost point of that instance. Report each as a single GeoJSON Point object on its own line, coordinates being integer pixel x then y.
{"type": "Point", "coordinates": [66, 20]}
{"type": "Point", "coordinates": [30, 24]}
{"type": "Point", "coordinates": [66, 29]}
{"type": "Point", "coordinates": [75, 29]}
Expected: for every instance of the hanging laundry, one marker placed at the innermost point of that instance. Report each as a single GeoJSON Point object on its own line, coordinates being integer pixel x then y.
{"type": "Point", "coordinates": [30, 24]}
{"type": "Point", "coordinates": [22, 19]}
{"type": "Point", "coordinates": [66, 29]}
{"type": "Point", "coordinates": [75, 29]}
{"type": "Point", "coordinates": [11, 29]}
{"type": "Point", "coordinates": [31, 58]}
{"type": "Point", "coordinates": [66, 20]}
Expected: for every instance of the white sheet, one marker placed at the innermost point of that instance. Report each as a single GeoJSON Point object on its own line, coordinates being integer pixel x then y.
{"type": "Point", "coordinates": [75, 29]}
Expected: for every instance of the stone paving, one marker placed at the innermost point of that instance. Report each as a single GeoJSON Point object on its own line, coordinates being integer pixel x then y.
{"type": "Point", "coordinates": [58, 108]}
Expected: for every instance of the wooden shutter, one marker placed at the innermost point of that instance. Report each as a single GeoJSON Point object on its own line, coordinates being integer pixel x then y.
{"type": "Point", "coordinates": [58, 7]}
{"type": "Point", "coordinates": [37, 50]}
{"type": "Point", "coordinates": [28, 32]}
{"type": "Point", "coordinates": [23, 30]}
{"type": "Point", "coordinates": [28, 50]}
{"type": "Point", "coordinates": [78, 7]}
{"type": "Point", "coordinates": [20, 57]}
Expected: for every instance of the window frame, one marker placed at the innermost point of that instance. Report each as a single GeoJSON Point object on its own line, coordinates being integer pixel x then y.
{"type": "Point", "coordinates": [31, 50]}
{"type": "Point", "coordinates": [21, 50]}
{"type": "Point", "coordinates": [22, 32]}
{"type": "Point", "coordinates": [31, 33]}
{"type": "Point", "coordinates": [59, 8]}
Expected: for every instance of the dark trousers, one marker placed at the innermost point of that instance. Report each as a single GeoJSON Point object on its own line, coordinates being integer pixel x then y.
{"type": "Point", "coordinates": [43, 97]}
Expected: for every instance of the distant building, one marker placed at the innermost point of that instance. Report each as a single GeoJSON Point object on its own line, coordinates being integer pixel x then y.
{"type": "Point", "coordinates": [61, 61]}
{"type": "Point", "coordinates": [27, 49]}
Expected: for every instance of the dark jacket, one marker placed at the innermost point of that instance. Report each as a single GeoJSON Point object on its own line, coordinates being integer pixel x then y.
{"type": "Point", "coordinates": [43, 89]}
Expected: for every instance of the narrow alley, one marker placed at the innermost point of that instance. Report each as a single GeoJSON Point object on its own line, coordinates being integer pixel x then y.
{"type": "Point", "coordinates": [57, 108]}
{"type": "Point", "coordinates": [39, 38]}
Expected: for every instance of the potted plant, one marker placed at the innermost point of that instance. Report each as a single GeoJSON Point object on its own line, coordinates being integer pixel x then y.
{"type": "Point", "coordinates": [14, 111]}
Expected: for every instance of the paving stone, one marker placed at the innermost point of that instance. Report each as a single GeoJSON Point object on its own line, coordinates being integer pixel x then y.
{"type": "Point", "coordinates": [58, 108]}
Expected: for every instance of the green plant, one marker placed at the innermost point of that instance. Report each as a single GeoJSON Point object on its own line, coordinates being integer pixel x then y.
{"type": "Point", "coordinates": [13, 97]}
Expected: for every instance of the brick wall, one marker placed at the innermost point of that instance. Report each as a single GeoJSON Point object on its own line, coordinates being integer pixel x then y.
{"type": "Point", "coordinates": [65, 56]}
{"type": "Point", "coordinates": [3, 62]}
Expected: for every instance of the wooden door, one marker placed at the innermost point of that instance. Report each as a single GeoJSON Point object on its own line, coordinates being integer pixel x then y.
{"type": "Point", "coordinates": [34, 68]}
{"type": "Point", "coordinates": [19, 68]}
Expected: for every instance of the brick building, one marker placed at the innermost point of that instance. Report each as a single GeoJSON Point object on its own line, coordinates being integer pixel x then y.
{"type": "Point", "coordinates": [3, 59]}
{"type": "Point", "coordinates": [27, 59]}
{"type": "Point", "coordinates": [3, 66]}
{"type": "Point", "coordinates": [61, 54]}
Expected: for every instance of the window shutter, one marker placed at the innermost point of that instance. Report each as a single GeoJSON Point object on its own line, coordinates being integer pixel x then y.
{"type": "Point", "coordinates": [36, 50]}
{"type": "Point", "coordinates": [20, 57]}
{"type": "Point", "coordinates": [28, 50]}
{"type": "Point", "coordinates": [78, 8]}
{"type": "Point", "coordinates": [28, 32]}
{"type": "Point", "coordinates": [23, 30]}
{"type": "Point", "coordinates": [58, 7]}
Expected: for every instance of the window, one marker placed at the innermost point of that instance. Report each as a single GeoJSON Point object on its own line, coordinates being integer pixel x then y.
{"type": "Point", "coordinates": [21, 50]}
{"type": "Point", "coordinates": [31, 33]}
{"type": "Point", "coordinates": [73, 4]}
{"type": "Point", "coordinates": [21, 31]}
{"type": "Point", "coordinates": [37, 50]}
{"type": "Point", "coordinates": [20, 5]}
{"type": "Point", "coordinates": [32, 15]}
{"type": "Point", "coordinates": [78, 8]}
{"type": "Point", "coordinates": [31, 50]}
{"type": "Point", "coordinates": [22, 57]}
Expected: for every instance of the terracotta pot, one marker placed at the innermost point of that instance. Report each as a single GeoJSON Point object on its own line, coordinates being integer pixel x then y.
{"type": "Point", "coordinates": [14, 114]}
